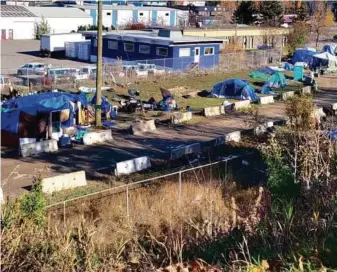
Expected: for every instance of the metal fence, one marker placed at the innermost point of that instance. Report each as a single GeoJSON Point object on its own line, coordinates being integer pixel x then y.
{"type": "Point", "coordinates": [127, 72]}
{"type": "Point", "coordinates": [123, 197]}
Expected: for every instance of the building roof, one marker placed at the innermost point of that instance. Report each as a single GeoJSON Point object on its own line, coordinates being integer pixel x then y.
{"type": "Point", "coordinates": [15, 11]}
{"type": "Point", "coordinates": [152, 37]}
{"type": "Point", "coordinates": [124, 7]}
{"type": "Point", "coordinates": [58, 12]}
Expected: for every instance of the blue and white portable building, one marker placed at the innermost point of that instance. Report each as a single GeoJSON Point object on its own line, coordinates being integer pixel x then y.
{"type": "Point", "coordinates": [165, 48]}
{"type": "Point", "coordinates": [119, 16]}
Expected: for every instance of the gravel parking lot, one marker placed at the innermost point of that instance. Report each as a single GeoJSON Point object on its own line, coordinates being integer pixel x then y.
{"type": "Point", "coordinates": [15, 53]}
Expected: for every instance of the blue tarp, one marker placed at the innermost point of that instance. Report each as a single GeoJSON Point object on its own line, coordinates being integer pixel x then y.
{"type": "Point", "coordinates": [267, 70]}
{"type": "Point", "coordinates": [37, 103]}
{"type": "Point", "coordinates": [105, 105]}
{"type": "Point", "coordinates": [234, 88]}
{"type": "Point", "coordinates": [331, 48]}
{"type": "Point", "coordinates": [288, 66]}
{"type": "Point", "coordinates": [307, 56]}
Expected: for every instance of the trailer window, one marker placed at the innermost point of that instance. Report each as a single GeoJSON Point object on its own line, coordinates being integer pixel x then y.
{"type": "Point", "coordinates": [129, 47]}
{"type": "Point", "coordinates": [162, 51]}
{"type": "Point", "coordinates": [209, 51]}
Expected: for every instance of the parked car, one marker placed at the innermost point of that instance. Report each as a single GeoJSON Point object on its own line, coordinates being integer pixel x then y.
{"type": "Point", "coordinates": [87, 72]}
{"type": "Point", "coordinates": [33, 68]}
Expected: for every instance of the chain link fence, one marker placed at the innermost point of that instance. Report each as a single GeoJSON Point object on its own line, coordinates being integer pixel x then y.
{"type": "Point", "coordinates": [179, 188]}
{"type": "Point", "coordinates": [124, 73]}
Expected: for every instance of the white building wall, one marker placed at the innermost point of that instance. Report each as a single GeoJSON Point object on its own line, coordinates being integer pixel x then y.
{"type": "Point", "coordinates": [65, 25]}
{"type": "Point", "coordinates": [22, 27]}
{"type": "Point", "coordinates": [163, 18]}
{"type": "Point", "coordinates": [107, 18]}
{"type": "Point", "coordinates": [124, 17]}
{"type": "Point", "coordinates": [144, 17]}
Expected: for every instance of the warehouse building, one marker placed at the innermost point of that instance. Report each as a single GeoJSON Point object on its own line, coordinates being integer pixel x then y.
{"type": "Point", "coordinates": [168, 49]}
{"type": "Point", "coordinates": [19, 22]}
{"type": "Point", "coordinates": [118, 16]}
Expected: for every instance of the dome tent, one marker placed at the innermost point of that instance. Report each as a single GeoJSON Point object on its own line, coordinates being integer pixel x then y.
{"type": "Point", "coordinates": [277, 80]}
{"type": "Point", "coordinates": [234, 88]}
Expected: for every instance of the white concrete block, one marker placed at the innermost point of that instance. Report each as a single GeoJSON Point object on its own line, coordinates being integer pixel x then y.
{"type": "Point", "coordinates": [306, 90]}
{"type": "Point", "coordinates": [63, 182]}
{"type": "Point", "coordinates": [97, 137]}
{"type": "Point", "coordinates": [185, 150]}
{"type": "Point", "coordinates": [261, 129]}
{"type": "Point", "coordinates": [241, 104]}
{"type": "Point", "coordinates": [2, 199]}
{"type": "Point", "coordinates": [214, 111]}
{"type": "Point", "coordinates": [132, 166]}
{"type": "Point", "coordinates": [334, 106]}
{"type": "Point", "coordinates": [234, 136]}
{"type": "Point", "coordinates": [264, 100]}
{"type": "Point", "coordinates": [181, 117]}
{"type": "Point", "coordinates": [143, 126]}
{"type": "Point", "coordinates": [287, 95]}
{"type": "Point", "coordinates": [38, 147]}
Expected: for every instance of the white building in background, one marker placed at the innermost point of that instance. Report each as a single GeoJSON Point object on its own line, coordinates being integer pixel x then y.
{"type": "Point", "coordinates": [18, 22]}
{"type": "Point", "coordinates": [119, 16]}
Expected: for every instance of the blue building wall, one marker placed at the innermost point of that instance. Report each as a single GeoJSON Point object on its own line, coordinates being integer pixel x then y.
{"type": "Point", "coordinates": [172, 61]}
{"type": "Point", "coordinates": [93, 14]}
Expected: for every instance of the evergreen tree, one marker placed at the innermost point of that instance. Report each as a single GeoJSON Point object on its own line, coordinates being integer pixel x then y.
{"type": "Point", "coordinates": [271, 11]}
{"type": "Point", "coordinates": [244, 13]}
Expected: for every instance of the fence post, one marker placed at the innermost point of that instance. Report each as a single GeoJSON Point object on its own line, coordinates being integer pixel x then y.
{"type": "Point", "coordinates": [127, 202]}
{"type": "Point", "coordinates": [179, 189]}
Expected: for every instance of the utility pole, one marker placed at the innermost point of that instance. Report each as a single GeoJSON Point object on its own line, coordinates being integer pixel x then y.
{"type": "Point", "coordinates": [99, 67]}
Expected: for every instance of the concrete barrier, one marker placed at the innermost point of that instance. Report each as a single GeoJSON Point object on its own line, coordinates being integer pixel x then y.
{"type": "Point", "coordinates": [185, 150]}
{"type": "Point", "coordinates": [234, 136]}
{"type": "Point", "coordinates": [132, 166]}
{"type": "Point", "coordinates": [268, 99]}
{"type": "Point", "coordinates": [214, 111]}
{"type": "Point", "coordinates": [38, 147]}
{"type": "Point", "coordinates": [287, 95]}
{"type": "Point", "coordinates": [261, 129]}
{"type": "Point", "coordinates": [143, 126]}
{"type": "Point", "coordinates": [306, 90]}
{"type": "Point", "coordinates": [241, 104]}
{"type": "Point", "coordinates": [63, 182]}
{"type": "Point", "coordinates": [181, 117]}
{"type": "Point", "coordinates": [334, 106]}
{"type": "Point", "coordinates": [97, 137]}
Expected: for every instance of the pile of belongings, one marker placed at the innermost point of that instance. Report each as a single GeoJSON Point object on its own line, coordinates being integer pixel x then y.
{"type": "Point", "coordinates": [134, 102]}
{"type": "Point", "coordinates": [168, 102]}
{"type": "Point", "coordinates": [234, 89]}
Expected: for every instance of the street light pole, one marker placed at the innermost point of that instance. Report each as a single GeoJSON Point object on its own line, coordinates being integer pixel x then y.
{"type": "Point", "coordinates": [99, 77]}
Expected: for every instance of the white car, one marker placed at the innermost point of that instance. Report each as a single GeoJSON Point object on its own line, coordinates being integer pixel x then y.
{"type": "Point", "coordinates": [33, 68]}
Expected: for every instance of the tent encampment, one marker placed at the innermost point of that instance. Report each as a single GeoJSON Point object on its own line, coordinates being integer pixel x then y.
{"type": "Point", "coordinates": [277, 80]}
{"type": "Point", "coordinates": [234, 88]}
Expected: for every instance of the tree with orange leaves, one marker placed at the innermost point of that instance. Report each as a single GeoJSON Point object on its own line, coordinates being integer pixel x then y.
{"type": "Point", "coordinates": [321, 19]}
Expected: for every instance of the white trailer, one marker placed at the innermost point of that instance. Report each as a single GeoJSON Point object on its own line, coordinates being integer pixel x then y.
{"type": "Point", "coordinates": [50, 43]}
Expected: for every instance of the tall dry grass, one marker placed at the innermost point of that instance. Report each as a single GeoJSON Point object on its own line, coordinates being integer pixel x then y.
{"type": "Point", "coordinates": [154, 231]}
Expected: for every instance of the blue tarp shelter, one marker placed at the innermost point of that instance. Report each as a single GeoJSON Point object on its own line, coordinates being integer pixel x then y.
{"type": "Point", "coordinates": [234, 88]}
{"type": "Point", "coordinates": [288, 66]}
{"type": "Point", "coordinates": [307, 56]}
{"type": "Point", "coordinates": [33, 105]}
{"type": "Point", "coordinates": [105, 105]}
{"type": "Point", "coordinates": [331, 48]}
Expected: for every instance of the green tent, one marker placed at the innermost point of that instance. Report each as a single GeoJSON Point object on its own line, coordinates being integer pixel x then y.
{"type": "Point", "coordinates": [257, 74]}
{"type": "Point", "coordinates": [277, 80]}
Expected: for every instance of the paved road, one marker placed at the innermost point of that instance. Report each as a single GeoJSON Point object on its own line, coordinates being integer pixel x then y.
{"type": "Point", "coordinates": [15, 53]}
